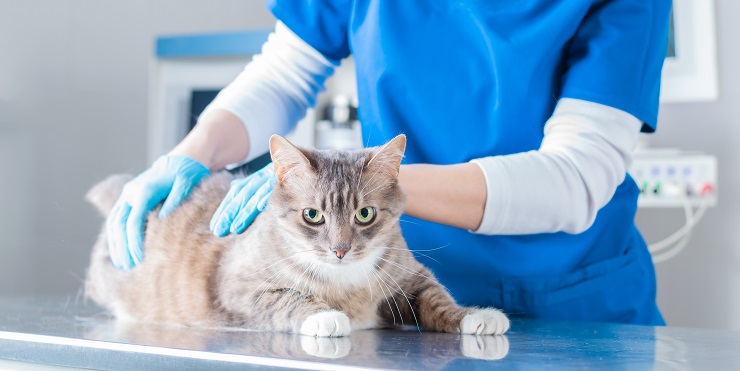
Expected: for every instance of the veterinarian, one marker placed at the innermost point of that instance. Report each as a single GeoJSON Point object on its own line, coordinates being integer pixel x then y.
{"type": "Point", "coordinates": [521, 119]}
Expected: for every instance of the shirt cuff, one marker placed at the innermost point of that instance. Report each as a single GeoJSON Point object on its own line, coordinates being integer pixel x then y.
{"type": "Point", "coordinates": [496, 199]}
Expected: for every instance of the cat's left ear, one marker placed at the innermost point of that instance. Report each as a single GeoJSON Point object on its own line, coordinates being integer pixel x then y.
{"type": "Point", "coordinates": [387, 159]}
{"type": "Point", "coordinates": [286, 157]}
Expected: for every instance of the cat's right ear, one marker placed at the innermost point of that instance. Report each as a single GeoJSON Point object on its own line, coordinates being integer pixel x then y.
{"type": "Point", "coordinates": [286, 157]}
{"type": "Point", "coordinates": [387, 159]}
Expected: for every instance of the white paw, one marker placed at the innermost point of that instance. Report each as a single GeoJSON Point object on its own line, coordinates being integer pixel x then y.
{"type": "Point", "coordinates": [484, 347]}
{"type": "Point", "coordinates": [329, 323]}
{"type": "Point", "coordinates": [326, 347]}
{"type": "Point", "coordinates": [484, 322]}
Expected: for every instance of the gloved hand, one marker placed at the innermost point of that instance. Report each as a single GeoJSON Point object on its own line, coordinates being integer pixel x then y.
{"type": "Point", "coordinates": [245, 200]}
{"type": "Point", "coordinates": [171, 177]}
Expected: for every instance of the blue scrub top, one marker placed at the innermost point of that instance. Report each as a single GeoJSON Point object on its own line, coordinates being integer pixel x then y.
{"type": "Point", "coordinates": [466, 79]}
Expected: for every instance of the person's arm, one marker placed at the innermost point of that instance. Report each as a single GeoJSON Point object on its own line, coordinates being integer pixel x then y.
{"type": "Point", "coordinates": [453, 195]}
{"type": "Point", "coordinates": [584, 156]}
{"type": "Point", "coordinates": [268, 97]}
{"type": "Point", "coordinates": [469, 195]}
{"type": "Point", "coordinates": [218, 139]}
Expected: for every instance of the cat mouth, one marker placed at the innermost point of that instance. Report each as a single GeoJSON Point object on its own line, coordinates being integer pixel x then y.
{"type": "Point", "coordinates": [346, 260]}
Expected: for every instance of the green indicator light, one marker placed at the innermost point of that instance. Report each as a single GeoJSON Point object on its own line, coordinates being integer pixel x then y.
{"type": "Point", "coordinates": [656, 190]}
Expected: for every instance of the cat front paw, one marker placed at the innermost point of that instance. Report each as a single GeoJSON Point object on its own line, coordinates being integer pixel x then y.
{"type": "Point", "coordinates": [487, 321]}
{"type": "Point", "coordinates": [329, 323]}
{"type": "Point", "coordinates": [490, 348]}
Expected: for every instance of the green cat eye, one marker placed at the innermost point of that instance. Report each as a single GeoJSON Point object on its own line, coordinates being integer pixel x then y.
{"type": "Point", "coordinates": [313, 216]}
{"type": "Point", "coordinates": [365, 216]}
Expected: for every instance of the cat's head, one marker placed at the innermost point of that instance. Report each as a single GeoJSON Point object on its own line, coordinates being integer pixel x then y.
{"type": "Point", "coordinates": [343, 206]}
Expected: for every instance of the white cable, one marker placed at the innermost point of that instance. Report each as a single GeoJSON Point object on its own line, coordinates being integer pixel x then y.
{"type": "Point", "coordinates": [670, 253]}
{"type": "Point", "coordinates": [688, 219]}
{"type": "Point", "coordinates": [690, 223]}
{"type": "Point", "coordinates": [679, 239]}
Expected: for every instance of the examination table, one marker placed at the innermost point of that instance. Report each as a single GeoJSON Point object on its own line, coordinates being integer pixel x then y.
{"type": "Point", "coordinates": [66, 331]}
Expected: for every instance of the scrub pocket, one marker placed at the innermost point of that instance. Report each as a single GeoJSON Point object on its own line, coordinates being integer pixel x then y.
{"type": "Point", "coordinates": [620, 289]}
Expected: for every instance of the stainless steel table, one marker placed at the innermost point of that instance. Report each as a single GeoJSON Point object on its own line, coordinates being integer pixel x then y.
{"type": "Point", "coordinates": [66, 332]}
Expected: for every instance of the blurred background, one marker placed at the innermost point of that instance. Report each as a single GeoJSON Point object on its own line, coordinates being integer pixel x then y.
{"type": "Point", "coordinates": [81, 84]}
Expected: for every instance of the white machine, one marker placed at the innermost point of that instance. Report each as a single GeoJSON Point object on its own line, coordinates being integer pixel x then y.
{"type": "Point", "coordinates": [669, 178]}
{"type": "Point", "coordinates": [189, 70]}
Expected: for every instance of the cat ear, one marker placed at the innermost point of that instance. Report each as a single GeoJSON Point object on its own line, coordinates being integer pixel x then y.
{"type": "Point", "coordinates": [387, 159]}
{"type": "Point", "coordinates": [286, 157]}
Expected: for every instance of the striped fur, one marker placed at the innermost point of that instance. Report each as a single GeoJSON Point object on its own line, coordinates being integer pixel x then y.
{"type": "Point", "coordinates": [282, 274]}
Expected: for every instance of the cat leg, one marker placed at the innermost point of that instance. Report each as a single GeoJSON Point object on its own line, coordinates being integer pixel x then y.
{"type": "Point", "coordinates": [289, 310]}
{"type": "Point", "coordinates": [437, 311]}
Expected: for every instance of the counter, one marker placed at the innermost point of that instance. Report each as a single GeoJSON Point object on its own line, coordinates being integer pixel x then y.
{"type": "Point", "coordinates": [65, 331]}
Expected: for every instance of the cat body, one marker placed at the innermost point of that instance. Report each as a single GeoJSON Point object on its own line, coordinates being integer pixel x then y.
{"type": "Point", "coordinates": [324, 258]}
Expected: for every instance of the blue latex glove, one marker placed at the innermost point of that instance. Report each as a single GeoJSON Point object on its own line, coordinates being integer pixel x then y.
{"type": "Point", "coordinates": [170, 178]}
{"type": "Point", "coordinates": [245, 200]}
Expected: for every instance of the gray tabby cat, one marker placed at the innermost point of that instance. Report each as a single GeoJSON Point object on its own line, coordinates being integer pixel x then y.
{"type": "Point", "coordinates": [325, 257]}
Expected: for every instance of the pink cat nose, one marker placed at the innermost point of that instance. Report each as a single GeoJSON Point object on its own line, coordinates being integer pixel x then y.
{"type": "Point", "coordinates": [340, 249]}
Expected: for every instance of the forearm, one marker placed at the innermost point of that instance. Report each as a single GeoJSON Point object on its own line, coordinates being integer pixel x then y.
{"type": "Point", "coordinates": [217, 140]}
{"type": "Point", "coordinates": [453, 195]}
{"type": "Point", "coordinates": [268, 97]}
{"type": "Point", "coordinates": [274, 91]}
{"type": "Point", "coordinates": [584, 156]}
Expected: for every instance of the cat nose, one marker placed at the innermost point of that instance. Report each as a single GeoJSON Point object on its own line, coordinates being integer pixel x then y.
{"type": "Point", "coordinates": [340, 249]}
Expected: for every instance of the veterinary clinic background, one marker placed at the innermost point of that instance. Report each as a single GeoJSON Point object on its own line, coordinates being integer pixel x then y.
{"type": "Point", "coordinates": [518, 95]}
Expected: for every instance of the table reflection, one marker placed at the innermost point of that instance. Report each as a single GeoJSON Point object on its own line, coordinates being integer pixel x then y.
{"type": "Point", "coordinates": [375, 348]}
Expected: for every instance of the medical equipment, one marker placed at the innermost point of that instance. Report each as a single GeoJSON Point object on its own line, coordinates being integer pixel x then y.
{"type": "Point", "coordinates": [670, 178]}
{"type": "Point", "coordinates": [188, 72]}
{"type": "Point", "coordinates": [339, 127]}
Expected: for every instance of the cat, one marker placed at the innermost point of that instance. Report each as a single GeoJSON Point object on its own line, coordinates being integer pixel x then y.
{"type": "Point", "coordinates": [325, 257]}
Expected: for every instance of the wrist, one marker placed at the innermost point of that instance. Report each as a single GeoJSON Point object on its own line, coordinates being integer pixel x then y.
{"type": "Point", "coordinates": [196, 152]}
{"type": "Point", "coordinates": [217, 140]}
{"type": "Point", "coordinates": [453, 195]}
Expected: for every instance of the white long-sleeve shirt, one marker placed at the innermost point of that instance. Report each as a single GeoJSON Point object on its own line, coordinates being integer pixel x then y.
{"type": "Point", "coordinates": [586, 150]}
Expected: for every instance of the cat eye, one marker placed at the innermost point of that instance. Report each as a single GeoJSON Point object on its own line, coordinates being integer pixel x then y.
{"type": "Point", "coordinates": [365, 216]}
{"type": "Point", "coordinates": [313, 216]}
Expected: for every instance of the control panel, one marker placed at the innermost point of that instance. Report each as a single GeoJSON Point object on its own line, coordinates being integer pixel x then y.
{"type": "Point", "coordinates": [670, 178]}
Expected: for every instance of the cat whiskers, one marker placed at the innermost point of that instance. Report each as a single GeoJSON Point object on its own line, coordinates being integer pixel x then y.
{"type": "Point", "coordinates": [359, 177]}
{"type": "Point", "coordinates": [369, 180]}
{"type": "Point", "coordinates": [428, 250]}
{"type": "Point", "coordinates": [414, 252]}
{"type": "Point", "coordinates": [378, 168]}
{"type": "Point", "coordinates": [369, 286]}
{"type": "Point", "coordinates": [407, 221]}
{"type": "Point", "coordinates": [386, 297]}
{"type": "Point", "coordinates": [274, 262]}
{"type": "Point", "coordinates": [390, 293]}
{"type": "Point", "coordinates": [420, 253]}
{"type": "Point", "coordinates": [408, 270]}
{"type": "Point", "coordinates": [411, 307]}
{"type": "Point", "coordinates": [374, 189]}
